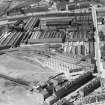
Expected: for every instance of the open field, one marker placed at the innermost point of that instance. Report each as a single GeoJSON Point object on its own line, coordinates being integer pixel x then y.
{"type": "Point", "coordinates": [16, 94]}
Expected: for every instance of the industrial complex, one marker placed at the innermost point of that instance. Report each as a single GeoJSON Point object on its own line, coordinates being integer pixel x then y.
{"type": "Point", "coordinates": [52, 52]}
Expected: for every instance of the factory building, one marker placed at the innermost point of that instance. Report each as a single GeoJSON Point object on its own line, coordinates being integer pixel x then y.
{"type": "Point", "coordinates": [52, 52]}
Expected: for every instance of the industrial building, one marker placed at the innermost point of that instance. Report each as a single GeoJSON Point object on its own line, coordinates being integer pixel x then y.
{"type": "Point", "coordinates": [52, 52]}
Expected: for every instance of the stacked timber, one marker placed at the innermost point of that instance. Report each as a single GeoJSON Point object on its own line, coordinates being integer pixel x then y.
{"type": "Point", "coordinates": [63, 63]}
{"type": "Point", "coordinates": [60, 65]}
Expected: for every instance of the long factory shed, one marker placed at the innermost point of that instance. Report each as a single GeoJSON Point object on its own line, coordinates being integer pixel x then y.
{"type": "Point", "coordinates": [44, 14]}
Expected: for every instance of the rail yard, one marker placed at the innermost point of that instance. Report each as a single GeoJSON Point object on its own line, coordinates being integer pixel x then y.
{"type": "Point", "coordinates": [52, 52]}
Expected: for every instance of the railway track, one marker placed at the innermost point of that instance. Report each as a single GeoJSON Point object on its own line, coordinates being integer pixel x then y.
{"type": "Point", "coordinates": [46, 14]}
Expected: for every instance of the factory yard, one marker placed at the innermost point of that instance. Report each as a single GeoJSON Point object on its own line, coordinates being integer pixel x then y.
{"type": "Point", "coordinates": [22, 64]}
{"type": "Point", "coordinates": [52, 52]}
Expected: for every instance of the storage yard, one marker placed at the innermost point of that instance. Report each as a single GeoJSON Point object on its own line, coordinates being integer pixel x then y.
{"type": "Point", "coordinates": [52, 52]}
